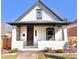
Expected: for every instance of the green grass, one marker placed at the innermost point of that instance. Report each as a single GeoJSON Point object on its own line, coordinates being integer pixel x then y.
{"type": "Point", "coordinates": [57, 56]}
{"type": "Point", "coordinates": [41, 56]}
{"type": "Point", "coordinates": [8, 57]}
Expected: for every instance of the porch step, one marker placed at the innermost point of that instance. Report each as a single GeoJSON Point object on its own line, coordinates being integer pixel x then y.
{"type": "Point", "coordinates": [30, 48]}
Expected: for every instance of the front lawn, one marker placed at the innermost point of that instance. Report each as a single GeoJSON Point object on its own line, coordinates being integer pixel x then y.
{"type": "Point", "coordinates": [9, 56]}
{"type": "Point", "coordinates": [57, 56]}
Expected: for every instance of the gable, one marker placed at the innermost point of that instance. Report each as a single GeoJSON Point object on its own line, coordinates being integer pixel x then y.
{"type": "Point", "coordinates": [47, 14]}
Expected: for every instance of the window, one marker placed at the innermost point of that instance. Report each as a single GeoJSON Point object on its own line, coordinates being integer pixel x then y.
{"type": "Point", "coordinates": [50, 34]}
{"type": "Point", "coordinates": [39, 13]}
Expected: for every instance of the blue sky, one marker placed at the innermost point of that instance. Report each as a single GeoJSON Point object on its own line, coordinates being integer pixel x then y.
{"type": "Point", "coordinates": [12, 9]}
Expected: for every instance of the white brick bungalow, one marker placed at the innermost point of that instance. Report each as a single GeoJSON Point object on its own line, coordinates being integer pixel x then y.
{"type": "Point", "coordinates": [38, 28]}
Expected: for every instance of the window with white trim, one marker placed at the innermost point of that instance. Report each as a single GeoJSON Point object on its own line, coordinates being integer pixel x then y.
{"type": "Point", "coordinates": [39, 13]}
{"type": "Point", "coordinates": [50, 34]}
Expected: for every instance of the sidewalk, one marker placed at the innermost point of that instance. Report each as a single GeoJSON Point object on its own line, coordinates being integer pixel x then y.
{"type": "Point", "coordinates": [27, 55]}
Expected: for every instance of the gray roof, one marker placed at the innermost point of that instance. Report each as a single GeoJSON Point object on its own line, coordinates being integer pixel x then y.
{"type": "Point", "coordinates": [37, 3]}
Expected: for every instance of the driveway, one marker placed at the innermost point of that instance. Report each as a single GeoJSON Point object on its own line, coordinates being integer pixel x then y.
{"type": "Point", "coordinates": [27, 55]}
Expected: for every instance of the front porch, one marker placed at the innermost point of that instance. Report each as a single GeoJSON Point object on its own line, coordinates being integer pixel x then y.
{"type": "Point", "coordinates": [40, 37]}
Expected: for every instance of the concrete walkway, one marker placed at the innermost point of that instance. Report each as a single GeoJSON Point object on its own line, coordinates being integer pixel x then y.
{"type": "Point", "coordinates": [27, 55]}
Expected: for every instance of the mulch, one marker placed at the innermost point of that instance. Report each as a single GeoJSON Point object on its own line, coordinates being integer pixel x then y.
{"type": "Point", "coordinates": [4, 51]}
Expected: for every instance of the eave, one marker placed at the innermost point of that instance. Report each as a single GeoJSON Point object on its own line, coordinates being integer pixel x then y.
{"type": "Point", "coordinates": [39, 23]}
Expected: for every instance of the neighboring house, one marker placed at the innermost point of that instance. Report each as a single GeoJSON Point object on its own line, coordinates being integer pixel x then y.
{"type": "Point", "coordinates": [5, 36]}
{"type": "Point", "coordinates": [6, 41]}
{"type": "Point", "coordinates": [38, 28]}
{"type": "Point", "coordinates": [72, 33]}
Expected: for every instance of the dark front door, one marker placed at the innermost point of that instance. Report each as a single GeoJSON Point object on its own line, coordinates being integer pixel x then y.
{"type": "Point", "coordinates": [29, 35]}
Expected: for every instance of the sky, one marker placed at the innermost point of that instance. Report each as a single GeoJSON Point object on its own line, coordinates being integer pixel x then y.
{"type": "Point", "coordinates": [12, 9]}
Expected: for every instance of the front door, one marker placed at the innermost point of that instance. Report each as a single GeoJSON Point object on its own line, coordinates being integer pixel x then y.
{"type": "Point", "coordinates": [29, 35]}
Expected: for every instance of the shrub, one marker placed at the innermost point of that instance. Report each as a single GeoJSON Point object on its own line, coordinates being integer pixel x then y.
{"type": "Point", "coordinates": [14, 50]}
{"type": "Point", "coordinates": [59, 51]}
{"type": "Point", "coordinates": [41, 56]}
{"type": "Point", "coordinates": [47, 49]}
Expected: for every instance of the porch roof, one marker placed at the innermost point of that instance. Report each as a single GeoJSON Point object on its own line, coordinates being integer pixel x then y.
{"type": "Point", "coordinates": [40, 23]}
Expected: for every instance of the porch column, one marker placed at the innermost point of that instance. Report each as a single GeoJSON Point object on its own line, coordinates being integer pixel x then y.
{"type": "Point", "coordinates": [62, 33]}
{"type": "Point", "coordinates": [14, 36]}
{"type": "Point", "coordinates": [65, 33]}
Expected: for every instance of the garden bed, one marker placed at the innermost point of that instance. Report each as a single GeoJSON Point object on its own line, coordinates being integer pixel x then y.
{"type": "Point", "coordinates": [57, 56]}
{"type": "Point", "coordinates": [9, 56]}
